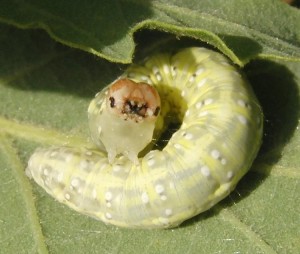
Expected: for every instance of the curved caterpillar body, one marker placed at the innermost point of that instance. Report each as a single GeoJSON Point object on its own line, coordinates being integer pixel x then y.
{"type": "Point", "coordinates": [214, 147]}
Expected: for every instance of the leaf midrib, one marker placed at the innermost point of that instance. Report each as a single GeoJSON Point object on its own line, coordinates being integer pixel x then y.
{"type": "Point", "coordinates": [26, 191]}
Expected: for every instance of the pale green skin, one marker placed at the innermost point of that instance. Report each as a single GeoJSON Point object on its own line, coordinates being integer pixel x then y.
{"type": "Point", "coordinates": [215, 146]}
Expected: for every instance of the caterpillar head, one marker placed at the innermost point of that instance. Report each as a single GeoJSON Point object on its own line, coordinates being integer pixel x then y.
{"type": "Point", "coordinates": [133, 101]}
{"type": "Point", "coordinates": [126, 120]}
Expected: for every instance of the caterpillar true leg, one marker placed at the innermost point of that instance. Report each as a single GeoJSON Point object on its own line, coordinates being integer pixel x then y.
{"type": "Point", "coordinates": [214, 147]}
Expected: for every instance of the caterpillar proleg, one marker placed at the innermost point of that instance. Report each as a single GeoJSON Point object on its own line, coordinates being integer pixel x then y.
{"type": "Point", "coordinates": [217, 141]}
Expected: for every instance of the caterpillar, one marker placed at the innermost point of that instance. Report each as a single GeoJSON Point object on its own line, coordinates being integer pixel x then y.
{"type": "Point", "coordinates": [218, 139]}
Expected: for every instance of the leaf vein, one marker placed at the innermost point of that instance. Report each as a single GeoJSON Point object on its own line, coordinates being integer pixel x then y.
{"type": "Point", "coordinates": [25, 186]}
{"type": "Point", "coordinates": [229, 217]}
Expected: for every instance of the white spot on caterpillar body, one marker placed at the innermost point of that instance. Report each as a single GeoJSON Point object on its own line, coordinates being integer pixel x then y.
{"type": "Point", "coordinates": [202, 162]}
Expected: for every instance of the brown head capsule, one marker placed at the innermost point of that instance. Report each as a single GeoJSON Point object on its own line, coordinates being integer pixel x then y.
{"type": "Point", "coordinates": [133, 101]}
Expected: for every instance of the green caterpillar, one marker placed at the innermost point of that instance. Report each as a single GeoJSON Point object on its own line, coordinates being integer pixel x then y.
{"type": "Point", "coordinates": [214, 147]}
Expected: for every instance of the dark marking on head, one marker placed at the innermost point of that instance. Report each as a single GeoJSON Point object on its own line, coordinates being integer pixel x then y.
{"type": "Point", "coordinates": [135, 108]}
{"type": "Point", "coordinates": [156, 112]}
{"type": "Point", "coordinates": [112, 102]}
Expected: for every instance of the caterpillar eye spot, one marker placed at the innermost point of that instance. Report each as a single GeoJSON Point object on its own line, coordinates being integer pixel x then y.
{"type": "Point", "coordinates": [156, 112]}
{"type": "Point", "coordinates": [112, 102]}
{"type": "Point", "coordinates": [117, 186]}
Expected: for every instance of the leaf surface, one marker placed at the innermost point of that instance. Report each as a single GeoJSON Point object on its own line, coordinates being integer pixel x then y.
{"type": "Point", "coordinates": [242, 30]}
{"type": "Point", "coordinates": [45, 89]}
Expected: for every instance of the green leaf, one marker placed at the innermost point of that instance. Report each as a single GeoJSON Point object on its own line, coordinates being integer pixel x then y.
{"type": "Point", "coordinates": [45, 89]}
{"type": "Point", "coordinates": [243, 30]}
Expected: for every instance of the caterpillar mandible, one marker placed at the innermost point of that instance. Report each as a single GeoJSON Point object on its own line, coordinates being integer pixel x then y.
{"type": "Point", "coordinates": [214, 147]}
